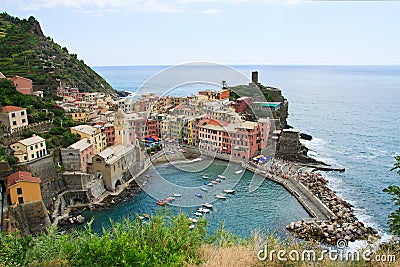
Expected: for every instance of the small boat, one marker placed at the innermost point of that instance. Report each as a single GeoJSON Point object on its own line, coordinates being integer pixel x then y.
{"type": "Point", "coordinates": [218, 180]}
{"type": "Point", "coordinates": [229, 191]}
{"type": "Point", "coordinates": [221, 176]}
{"type": "Point", "coordinates": [198, 194]}
{"type": "Point", "coordinates": [205, 177]}
{"type": "Point", "coordinates": [145, 215]}
{"type": "Point", "coordinates": [204, 189]}
{"type": "Point", "coordinates": [213, 182]}
{"type": "Point", "coordinates": [208, 183]}
{"type": "Point", "coordinates": [203, 210]}
{"type": "Point", "coordinates": [161, 202]}
{"type": "Point", "coordinates": [177, 195]}
{"type": "Point", "coordinates": [220, 196]}
{"type": "Point", "coordinates": [191, 226]}
{"type": "Point", "coordinates": [239, 171]}
{"type": "Point", "coordinates": [141, 217]}
{"type": "Point", "coordinates": [169, 199]}
{"type": "Point", "coordinates": [193, 220]}
{"type": "Point", "coordinates": [207, 205]}
{"type": "Point", "coordinates": [198, 214]}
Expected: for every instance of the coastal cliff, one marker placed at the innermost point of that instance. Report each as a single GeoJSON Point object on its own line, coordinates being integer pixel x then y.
{"type": "Point", "coordinates": [25, 51]}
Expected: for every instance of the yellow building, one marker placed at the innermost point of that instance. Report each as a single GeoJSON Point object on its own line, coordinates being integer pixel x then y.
{"type": "Point", "coordinates": [79, 116]}
{"type": "Point", "coordinates": [96, 135]}
{"type": "Point", "coordinates": [22, 188]}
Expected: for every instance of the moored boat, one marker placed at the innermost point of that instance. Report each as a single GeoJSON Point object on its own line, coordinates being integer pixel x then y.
{"type": "Point", "coordinates": [207, 205]}
{"type": "Point", "coordinates": [229, 191]}
{"type": "Point", "coordinates": [205, 177]}
{"type": "Point", "coordinates": [221, 176]}
{"type": "Point", "coordinates": [204, 189]}
{"type": "Point", "coordinates": [213, 182]}
{"type": "Point", "coordinates": [198, 194]}
{"type": "Point", "coordinates": [208, 183]}
{"type": "Point", "coordinates": [198, 214]}
{"type": "Point", "coordinates": [220, 196]}
{"type": "Point", "coordinates": [218, 180]}
{"type": "Point", "coordinates": [239, 171]}
{"type": "Point", "coordinates": [177, 195]}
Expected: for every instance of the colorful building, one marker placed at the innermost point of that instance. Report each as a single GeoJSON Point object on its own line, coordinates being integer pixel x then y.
{"type": "Point", "coordinates": [22, 188]}
{"type": "Point", "coordinates": [95, 134]}
{"type": "Point", "coordinates": [80, 116]}
{"type": "Point", "coordinates": [23, 85]}
{"type": "Point", "coordinates": [76, 156]}
{"type": "Point", "coordinates": [29, 149]}
{"type": "Point", "coordinates": [13, 118]}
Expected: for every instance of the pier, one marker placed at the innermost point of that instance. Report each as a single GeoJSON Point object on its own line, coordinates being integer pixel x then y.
{"type": "Point", "coordinates": [310, 202]}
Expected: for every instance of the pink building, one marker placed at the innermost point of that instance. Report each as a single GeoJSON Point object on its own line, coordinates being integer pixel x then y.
{"type": "Point", "coordinates": [23, 85]}
{"type": "Point", "coordinates": [151, 128]}
{"type": "Point", "coordinates": [110, 134]}
{"type": "Point", "coordinates": [242, 104]}
{"type": "Point", "coordinates": [245, 139]}
{"type": "Point", "coordinates": [76, 156]}
{"type": "Point", "coordinates": [213, 136]}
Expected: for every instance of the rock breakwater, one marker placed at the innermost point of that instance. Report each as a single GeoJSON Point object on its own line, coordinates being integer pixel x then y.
{"type": "Point", "coordinates": [344, 226]}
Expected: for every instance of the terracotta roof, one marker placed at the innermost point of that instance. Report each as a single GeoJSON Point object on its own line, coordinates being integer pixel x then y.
{"type": "Point", "coordinates": [8, 109]}
{"type": "Point", "coordinates": [21, 176]}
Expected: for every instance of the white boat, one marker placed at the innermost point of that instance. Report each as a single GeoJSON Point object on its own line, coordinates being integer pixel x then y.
{"type": "Point", "coordinates": [198, 214]}
{"type": "Point", "coordinates": [229, 191]}
{"type": "Point", "coordinates": [204, 189]}
{"type": "Point", "coordinates": [207, 205]}
{"type": "Point", "coordinates": [177, 195]}
{"type": "Point", "coordinates": [203, 210]}
{"type": "Point", "coordinates": [205, 177]}
{"type": "Point", "coordinates": [193, 220]}
{"type": "Point", "coordinates": [239, 171]}
{"type": "Point", "coordinates": [220, 196]}
{"type": "Point", "coordinates": [191, 226]}
{"type": "Point", "coordinates": [221, 176]}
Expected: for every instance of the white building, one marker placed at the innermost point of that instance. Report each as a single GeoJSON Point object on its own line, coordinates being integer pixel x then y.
{"type": "Point", "coordinates": [29, 149]}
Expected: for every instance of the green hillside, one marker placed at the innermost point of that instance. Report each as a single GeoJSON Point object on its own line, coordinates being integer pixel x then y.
{"type": "Point", "coordinates": [25, 51]}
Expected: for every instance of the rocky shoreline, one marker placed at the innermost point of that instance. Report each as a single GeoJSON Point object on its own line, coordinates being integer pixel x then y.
{"type": "Point", "coordinates": [344, 226]}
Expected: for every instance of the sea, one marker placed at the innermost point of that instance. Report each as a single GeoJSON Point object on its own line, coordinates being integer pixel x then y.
{"type": "Point", "coordinates": [352, 113]}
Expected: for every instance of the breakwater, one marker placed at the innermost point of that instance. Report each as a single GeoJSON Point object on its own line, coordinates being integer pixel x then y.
{"type": "Point", "coordinates": [333, 217]}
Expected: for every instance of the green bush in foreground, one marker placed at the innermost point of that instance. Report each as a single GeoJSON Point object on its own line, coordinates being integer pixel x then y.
{"type": "Point", "coordinates": [162, 241]}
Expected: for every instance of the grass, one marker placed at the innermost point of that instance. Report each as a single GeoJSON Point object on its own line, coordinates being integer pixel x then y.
{"type": "Point", "coordinates": [162, 241]}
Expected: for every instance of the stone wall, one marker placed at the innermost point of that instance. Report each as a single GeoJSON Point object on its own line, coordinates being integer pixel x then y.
{"type": "Point", "coordinates": [8, 139]}
{"type": "Point", "coordinates": [28, 218]}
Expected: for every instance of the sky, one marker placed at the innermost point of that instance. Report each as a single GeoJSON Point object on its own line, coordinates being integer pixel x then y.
{"type": "Point", "coordinates": [270, 32]}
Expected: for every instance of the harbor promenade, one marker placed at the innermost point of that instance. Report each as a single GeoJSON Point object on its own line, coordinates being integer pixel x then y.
{"type": "Point", "coordinates": [311, 203]}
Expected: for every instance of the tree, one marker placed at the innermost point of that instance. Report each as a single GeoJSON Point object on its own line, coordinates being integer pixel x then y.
{"type": "Point", "coordinates": [394, 191]}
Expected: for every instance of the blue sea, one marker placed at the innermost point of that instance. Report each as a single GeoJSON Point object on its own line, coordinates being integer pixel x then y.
{"type": "Point", "coordinates": [352, 112]}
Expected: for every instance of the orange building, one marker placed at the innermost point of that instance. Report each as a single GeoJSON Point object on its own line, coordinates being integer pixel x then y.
{"type": "Point", "coordinates": [22, 187]}
{"type": "Point", "coordinates": [23, 85]}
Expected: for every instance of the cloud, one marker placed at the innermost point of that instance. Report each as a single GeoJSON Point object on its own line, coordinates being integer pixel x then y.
{"type": "Point", "coordinates": [101, 6]}
{"type": "Point", "coordinates": [210, 11]}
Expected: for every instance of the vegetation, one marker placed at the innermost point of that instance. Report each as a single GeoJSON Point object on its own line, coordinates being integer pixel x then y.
{"type": "Point", "coordinates": [394, 191]}
{"type": "Point", "coordinates": [25, 51]}
{"type": "Point", "coordinates": [162, 241]}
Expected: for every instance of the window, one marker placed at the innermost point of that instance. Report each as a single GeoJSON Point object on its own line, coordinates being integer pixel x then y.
{"type": "Point", "coordinates": [25, 158]}
{"type": "Point", "coordinates": [22, 113]}
{"type": "Point", "coordinates": [14, 123]}
{"type": "Point", "coordinates": [12, 115]}
{"type": "Point", "coordinates": [41, 144]}
{"type": "Point", "coordinates": [23, 120]}
{"type": "Point", "coordinates": [33, 156]}
{"type": "Point", "coordinates": [36, 146]}
{"type": "Point", "coordinates": [31, 147]}
{"type": "Point", "coordinates": [19, 190]}
{"type": "Point", "coordinates": [21, 200]}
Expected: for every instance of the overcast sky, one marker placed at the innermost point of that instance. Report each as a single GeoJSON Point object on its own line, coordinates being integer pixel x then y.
{"type": "Point", "coordinates": [151, 32]}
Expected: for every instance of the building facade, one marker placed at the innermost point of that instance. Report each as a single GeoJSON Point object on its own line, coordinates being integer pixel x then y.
{"type": "Point", "coordinates": [13, 118]}
{"type": "Point", "coordinates": [29, 149]}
